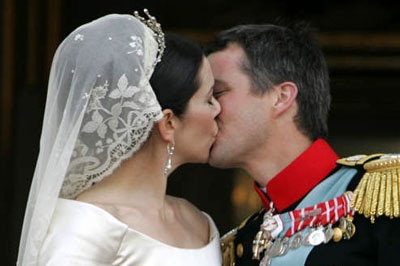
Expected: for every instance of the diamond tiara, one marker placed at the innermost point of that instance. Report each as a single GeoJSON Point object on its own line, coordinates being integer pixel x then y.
{"type": "Point", "coordinates": [152, 24]}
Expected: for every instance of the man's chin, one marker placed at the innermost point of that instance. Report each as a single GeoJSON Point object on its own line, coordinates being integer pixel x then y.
{"type": "Point", "coordinates": [214, 161]}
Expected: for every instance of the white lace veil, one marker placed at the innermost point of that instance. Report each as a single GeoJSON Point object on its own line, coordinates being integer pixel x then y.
{"type": "Point", "coordinates": [100, 109]}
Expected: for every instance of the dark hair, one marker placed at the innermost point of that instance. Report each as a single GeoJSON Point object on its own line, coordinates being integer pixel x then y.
{"type": "Point", "coordinates": [275, 54]}
{"type": "Point", "coordinates": [174, 79]}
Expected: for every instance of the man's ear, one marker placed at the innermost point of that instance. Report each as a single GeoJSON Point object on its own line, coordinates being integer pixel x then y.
{"type": "Point", "coordinates": [167, 125]}
{"type": "Point", "coordinates": [285, 97]}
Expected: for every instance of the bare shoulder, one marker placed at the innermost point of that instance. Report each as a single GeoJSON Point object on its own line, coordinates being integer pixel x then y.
{"type": "Point", "coordinates": [193, 220]}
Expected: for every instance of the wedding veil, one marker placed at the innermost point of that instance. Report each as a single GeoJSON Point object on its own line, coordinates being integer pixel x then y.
{"type": "Point", "coordinates": [100, 109]}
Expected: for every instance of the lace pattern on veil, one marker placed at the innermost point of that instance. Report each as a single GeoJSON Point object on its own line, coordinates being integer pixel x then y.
{"type": "Point", "coordinates": [110, 135]}
{"type": "Point", "coordinates": [100, 109]}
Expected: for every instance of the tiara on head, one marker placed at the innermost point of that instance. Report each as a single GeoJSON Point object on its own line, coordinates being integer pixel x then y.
{"type": "Point", "coordinates": [152, 24]}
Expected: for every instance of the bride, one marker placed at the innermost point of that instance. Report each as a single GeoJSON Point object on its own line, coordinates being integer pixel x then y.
{"type": "Point", "coordinates": [126, 105]}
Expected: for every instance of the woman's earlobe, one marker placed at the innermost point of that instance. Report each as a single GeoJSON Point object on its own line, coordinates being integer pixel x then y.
{"type": "Point", "coordinates": [167, 125]}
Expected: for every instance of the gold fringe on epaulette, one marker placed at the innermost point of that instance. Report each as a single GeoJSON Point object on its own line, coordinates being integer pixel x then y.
{"type": "Point", "coordinates": [378, 191]}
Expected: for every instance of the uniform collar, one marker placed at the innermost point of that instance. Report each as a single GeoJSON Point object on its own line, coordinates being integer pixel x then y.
{"type": "Point", "coordinates": [299, 177]}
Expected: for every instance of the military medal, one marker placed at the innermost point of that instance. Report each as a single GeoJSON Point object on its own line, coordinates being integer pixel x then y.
{"type": "Point", "coordinates": [276, 248]}
{"type": "Point", "coordinates": [266, 260]}
{"type": "Point", "coordinates": [314, 237]}
{"type": "Point", "coordinates": [269, 229]}
{"type": "Point", "coordinates": [260, 242]}
{"type": "Point", "coordinates": [285, 246]}
{"type": "Point", "coordinates": [296, 240]}
{"type": "Point", "coordinates": [318, 219]}
{"type": "Point", "coordinates": [328, 233]}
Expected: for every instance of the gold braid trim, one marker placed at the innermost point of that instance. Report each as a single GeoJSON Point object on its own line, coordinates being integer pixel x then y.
{"type": "Point", "coordinates": [228, 244]}
{"type": "Point", "coordinates": [378, 193]}
{"type": "Point", "coordinates": [228, 248]}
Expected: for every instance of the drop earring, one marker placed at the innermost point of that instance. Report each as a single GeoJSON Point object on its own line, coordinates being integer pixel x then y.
{"type": "Point", "coordinates": [168, 165]}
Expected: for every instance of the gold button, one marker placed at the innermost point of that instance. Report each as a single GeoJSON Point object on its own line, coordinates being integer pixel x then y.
{"type": "Point", "coordinates": [239, 250]}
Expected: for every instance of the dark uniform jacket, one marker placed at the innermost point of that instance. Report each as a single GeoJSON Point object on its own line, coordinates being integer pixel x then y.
{"type": "Point", "coordinates": [376, 240]}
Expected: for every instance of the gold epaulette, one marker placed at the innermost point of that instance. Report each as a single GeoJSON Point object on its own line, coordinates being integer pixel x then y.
{"type": "Point", "coordinates": [228, 244]}
{"type": "Point", "coordinates": [377, 193]}
{"type": "Point", "coordinates": [228, 248]}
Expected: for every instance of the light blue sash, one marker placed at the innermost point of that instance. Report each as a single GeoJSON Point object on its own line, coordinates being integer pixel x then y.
{"type": "Point", "coordinates": [332, 187]}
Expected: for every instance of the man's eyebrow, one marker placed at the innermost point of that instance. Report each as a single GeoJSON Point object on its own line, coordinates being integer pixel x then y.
{"type": "Point", "coordinates": [219, 82]}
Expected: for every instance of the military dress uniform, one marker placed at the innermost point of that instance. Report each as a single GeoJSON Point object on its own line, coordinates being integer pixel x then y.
{"type": "Point", "coordinates": [322, 210]}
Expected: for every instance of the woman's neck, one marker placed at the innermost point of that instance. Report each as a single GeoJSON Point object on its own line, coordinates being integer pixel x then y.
{"type": "Point", "coordinates": [138, 182]}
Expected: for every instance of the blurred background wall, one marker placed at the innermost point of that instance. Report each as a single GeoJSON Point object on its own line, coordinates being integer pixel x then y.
{"type": "Point", "coordinates": [361, 41]}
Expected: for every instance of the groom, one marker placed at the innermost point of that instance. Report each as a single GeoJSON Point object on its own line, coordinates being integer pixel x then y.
{"type": "Point", "coordinates": [273, 86]}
